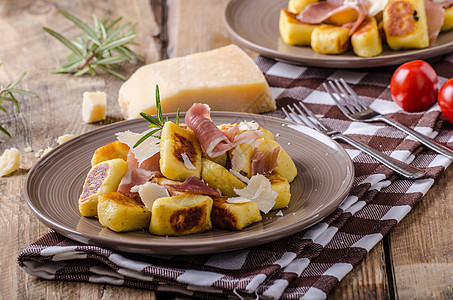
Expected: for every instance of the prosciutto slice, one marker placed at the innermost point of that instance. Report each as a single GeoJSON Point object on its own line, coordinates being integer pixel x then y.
{"type": "Point", "coordinates": [231, 133]}
{"type": "Point", "coordinates": [264, 162]}
{"type": "Point", "coordinates": [444, 3]}
{"type": "Point", "coordinates": [435, 18]}
{"type": "Point", "coordinates": [318, 12]}
{"type": "Point", "coordinates": [138, 174]}
{"type": "Point", "coordinates": [214, 141]}
{"type": "Point", "coordinates": [194, 185]}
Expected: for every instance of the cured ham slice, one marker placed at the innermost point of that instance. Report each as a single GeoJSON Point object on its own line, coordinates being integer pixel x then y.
{"type": "Point", "coordinates": [231, 133]}
{"type": "Point", "coordinates": [264, 162]}
{"type": "Point", "coordinates": [194, 185]}
{"type": "Point", "coordinates": [435, 18]}
{"type": "Point", "coordinates": [198, 118]}
{"type": "Point", "coordinates": [214, 141]}
{"type": "Point", "coordinates": [318, 12]}
{"type": "Point", "coordinates": [138, 174]}
{"type": "Point", "coordinates": [445, 3]}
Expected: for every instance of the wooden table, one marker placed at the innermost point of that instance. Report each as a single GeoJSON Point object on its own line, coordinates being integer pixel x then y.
{"type": "Point", "coordinates": [415, 261]}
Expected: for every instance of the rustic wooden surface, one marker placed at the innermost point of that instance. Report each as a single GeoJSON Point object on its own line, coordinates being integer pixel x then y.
{"type": "Point", "coordinates": [414, 262]}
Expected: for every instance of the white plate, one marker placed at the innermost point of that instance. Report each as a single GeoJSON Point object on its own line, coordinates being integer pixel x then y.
{"type": "Point", "coordinates": [254, 24]}
{"type": "Point", "coordinates": [326, 173]}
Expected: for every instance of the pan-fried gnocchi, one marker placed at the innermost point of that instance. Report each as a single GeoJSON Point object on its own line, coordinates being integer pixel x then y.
{"type": "Point", "coordinates": [397, 24]}
{"type": "Point", "coordinates": [162, 207]}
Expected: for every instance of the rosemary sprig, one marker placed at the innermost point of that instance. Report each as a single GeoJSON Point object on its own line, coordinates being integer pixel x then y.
{"type": "Point", "coordinates": [102, 46]}
{"type": "Point", "coordinates": [7, 94]}
{"type": "Point", "coordinates": [155, 122]}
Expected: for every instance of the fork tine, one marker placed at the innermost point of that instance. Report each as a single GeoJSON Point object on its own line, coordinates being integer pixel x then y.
{"type": "Point", "coordinates": [313, 119]}
{"type": "Point", "coordinates": [305, 118]}
{"type": "Point", "coordinates": [354, 94]}
{"type": "Point", "coordinates": [294, 117]}
{"type": "Point", "coordinates": [291, 117]}
{"type": "Point", "coordinates": [343, 96]}
{"type": "Point", "coordinates": [301, 119]}
{"type": "Point", "coordinates": [353, 105]}
{"type": "Point", "coordinates": [343, 107]}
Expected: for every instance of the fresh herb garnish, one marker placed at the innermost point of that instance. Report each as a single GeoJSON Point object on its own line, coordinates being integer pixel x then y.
{"type": "Point", "coordinates": [7, 94]}
{"type": "Point", "coordinates": [155, 122]}
{"type": "Point", "coordinates": [103, 46]}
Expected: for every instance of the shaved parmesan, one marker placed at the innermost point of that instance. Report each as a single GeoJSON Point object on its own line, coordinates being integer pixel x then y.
{"type": "Point", "coordinates": [237, 159]}
{"type": "Point", "coordinates": [237, 200]}
{"type": "Point", "coordinates": [245, 125]}
{"type": "Point", "coordinates": [187, 163]}
{"type": "Point", "coordinates": [243, 178]}
{"type": "Point", "coordinates": [145, 150]}
{"type": "Point", "coordinates": [237, 163]}
{"type": "Point", "coordinates": [260, 191]}
{"type": "Point", "coordinates": [376, 6]}
{"type": "Point", "coordinates": [149, 192]}
{"type": "Point", "coordinates": [257, 142]}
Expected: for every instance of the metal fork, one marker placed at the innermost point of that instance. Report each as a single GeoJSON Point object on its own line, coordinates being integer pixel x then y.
{"type": "Point", "coordinates": [356, 109]}
{"type": "Point", "coordinates": [310, 120]}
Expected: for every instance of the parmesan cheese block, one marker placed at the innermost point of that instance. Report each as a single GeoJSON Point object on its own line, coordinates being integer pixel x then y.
{"type": "Point", "coordinates": [226, 79]}
{"type": "Point", "coordinates": [93, 106]}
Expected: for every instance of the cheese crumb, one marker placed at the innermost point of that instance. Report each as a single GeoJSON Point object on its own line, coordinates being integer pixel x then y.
{"type": "Point", "coordinates": [42, 152]}
{"type": "Point", "coordinates": [39, 153]}
{"type": "Point", "coordinates": [259, 190]}
{"type": "Point", "coordinates": [47, 150]}
{"type": "Point", "coordinates": [149, 192]}
{"type": "Point", "coordinates": [64, 138]}
{"type": "Point", "coordinates": [9, 161]}
{"type": "Point", "coordinates": [93, 106]}
{"type": "Point", "coordinates": [28, 149]}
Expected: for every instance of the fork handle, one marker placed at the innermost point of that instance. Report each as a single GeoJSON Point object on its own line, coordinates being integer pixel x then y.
{"type": "Point", "coordinates": [396, 165]}
{"type": "Point", "coordinates": [434, 145]}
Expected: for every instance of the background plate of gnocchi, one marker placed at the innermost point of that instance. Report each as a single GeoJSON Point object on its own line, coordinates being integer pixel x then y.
{"type": "Point", "coordinates": [325, 176]}
{"type": "Point", "coordinates": [254, 24]}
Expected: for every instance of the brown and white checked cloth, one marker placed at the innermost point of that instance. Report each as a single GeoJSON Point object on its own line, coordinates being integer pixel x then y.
{"type": "Point", "coordinates": [308, 264]}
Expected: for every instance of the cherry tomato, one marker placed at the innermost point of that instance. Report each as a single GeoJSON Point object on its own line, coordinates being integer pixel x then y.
{"type": "Point", "coordinates": [414, 86]}
{"type": "Point", "coordinates": [445, 99]}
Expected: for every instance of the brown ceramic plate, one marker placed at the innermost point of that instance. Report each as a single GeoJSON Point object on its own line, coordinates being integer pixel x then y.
{"type": "Point", "coordinates": [254, 25]}
{"type": "Point", "coordinates": [326, 173]}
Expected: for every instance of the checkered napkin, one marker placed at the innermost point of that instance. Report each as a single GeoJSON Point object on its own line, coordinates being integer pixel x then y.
{"type": "Point", "coordinates": [308, 264]}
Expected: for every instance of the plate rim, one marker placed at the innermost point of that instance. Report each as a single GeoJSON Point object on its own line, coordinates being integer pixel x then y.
{"type": "Point", "coordinates": [137, 246]}
{"type": "Point", "coordinates": [330, 61]}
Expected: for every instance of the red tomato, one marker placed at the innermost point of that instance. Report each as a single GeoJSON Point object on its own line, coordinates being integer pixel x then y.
{"type": "Point", "coordinates": [445, 99]}
{"type": "Point", "coordinates": [414, 86]}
